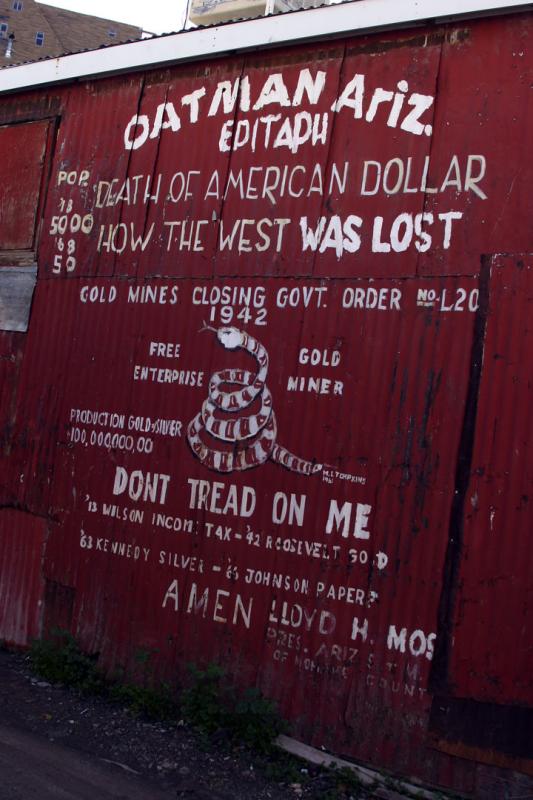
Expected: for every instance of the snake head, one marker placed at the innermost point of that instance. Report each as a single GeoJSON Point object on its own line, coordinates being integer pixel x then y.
{"type": "Point", "coordinates": [230, 338]}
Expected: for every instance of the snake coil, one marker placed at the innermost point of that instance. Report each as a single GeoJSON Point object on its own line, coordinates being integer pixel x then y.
{"type": "Point", "coordinates": [253, 436]}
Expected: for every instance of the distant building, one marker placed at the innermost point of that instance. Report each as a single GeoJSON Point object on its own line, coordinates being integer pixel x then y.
{"type": "Point", "coordinates": [30, 30]}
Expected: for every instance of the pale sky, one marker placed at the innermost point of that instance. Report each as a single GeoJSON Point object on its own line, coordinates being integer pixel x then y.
{"type": "Point", "coordinates": [157, 16]}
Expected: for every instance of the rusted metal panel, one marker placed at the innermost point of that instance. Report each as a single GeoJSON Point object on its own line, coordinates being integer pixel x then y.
{"type": "Point", "coordinates": [22, 538]}
{"type": "Point", "coordinates": [496, 560]}
{"type": "Point", "coordinates": [481, 90]}
{"type": "Point", "coordinates": [253, 395]}
{"type": "Point", "coordinates": [490, 733]}
{"type": "Point", "coordinates": [30, 107]}
{"type": "Point", "coordinates": [23, 148]}
{"type": "Point", "coordinates": [305, 606]}
{"type": "Point", "coordinates": [486, 644]}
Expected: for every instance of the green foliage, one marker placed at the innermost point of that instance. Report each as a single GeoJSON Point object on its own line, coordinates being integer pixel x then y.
{"type": "Point", "coordinates": [142, 655]}
{"type": "Point", "coordinates": [347, 781]}
{"type": "Point", "coordinates": [208, 703]}
{"type": "Point", "coordinates": [142, 696]}
{"type": "Point", "coordinates": [201, 702]}
{"type": "Point", "coordinates": [284, 768]}
{"type": "Point", "coordinates": [255, 721]}
{"type": "Point", "coordinates": [210, 706]}
{"type": "Point", "coordinates": [60, 660]}
{"type": "Point", "coordinates": [149, 703]}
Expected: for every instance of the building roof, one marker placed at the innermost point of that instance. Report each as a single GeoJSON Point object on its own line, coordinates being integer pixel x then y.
{"type": "Point", "coordinates": [61, 31]}
{"type": "Point", "coordinates": [81, 31]}
{"type": "Point", "coordinates": [295, 27]}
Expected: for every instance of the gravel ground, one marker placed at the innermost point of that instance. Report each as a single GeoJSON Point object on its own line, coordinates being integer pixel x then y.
{"type": "Point", "coordinates": [172, 756]}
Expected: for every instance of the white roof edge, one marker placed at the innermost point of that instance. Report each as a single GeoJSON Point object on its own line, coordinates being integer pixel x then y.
{"type": "Point", "coordinates": [280, 29]}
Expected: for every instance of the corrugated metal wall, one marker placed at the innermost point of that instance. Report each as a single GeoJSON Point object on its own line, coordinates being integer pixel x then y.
{"type": "Point", "coordinates": [272, 407]}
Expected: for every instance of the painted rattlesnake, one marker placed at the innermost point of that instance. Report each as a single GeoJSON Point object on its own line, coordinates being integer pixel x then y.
{"type": "Point", "coordinates": [253, 437]}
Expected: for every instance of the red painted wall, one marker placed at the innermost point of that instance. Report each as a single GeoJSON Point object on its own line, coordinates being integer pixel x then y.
{"type": "Point", "coordinates": [273, 401]}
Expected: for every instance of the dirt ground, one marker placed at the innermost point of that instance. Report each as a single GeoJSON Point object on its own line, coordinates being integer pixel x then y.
{"type": "Point", "coordinates": [171, 756]}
